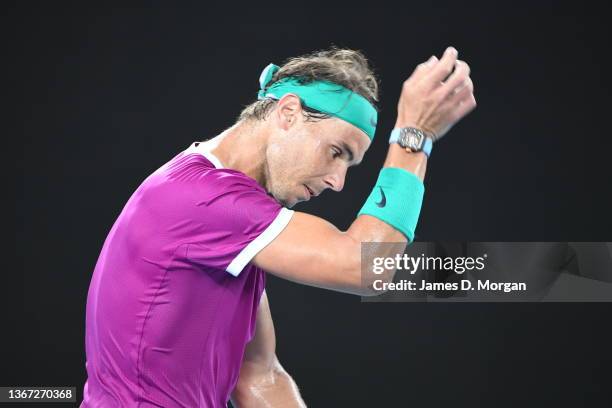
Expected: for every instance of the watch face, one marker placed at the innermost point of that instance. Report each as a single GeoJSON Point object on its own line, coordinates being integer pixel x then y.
{"type": "Point", "coordinates": [411, 140]}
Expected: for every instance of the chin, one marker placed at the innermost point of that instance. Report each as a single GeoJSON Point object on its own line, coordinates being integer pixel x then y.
{"type": "Point", "coordinates": [285, 202]}
{"type": "Point", "coordinates": [285, 198]}
{"type": "Point", "coordinates": [289, 203]}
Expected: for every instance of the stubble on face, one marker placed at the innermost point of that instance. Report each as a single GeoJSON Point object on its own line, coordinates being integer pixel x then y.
{"type": "Point", "coordinates": [302, 156]}
{"type": "Point", "coordinates": [289, 162]}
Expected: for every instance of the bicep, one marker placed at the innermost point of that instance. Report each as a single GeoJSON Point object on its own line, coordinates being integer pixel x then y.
{"type": "Point", "coordinates": [312, 251]}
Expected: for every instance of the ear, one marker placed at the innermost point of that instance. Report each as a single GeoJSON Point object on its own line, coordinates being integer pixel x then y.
{"type": "Point", "coordinates": [288, 110]}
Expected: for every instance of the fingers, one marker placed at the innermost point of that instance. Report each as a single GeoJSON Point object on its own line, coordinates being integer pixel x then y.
{"type": "Point", "coordinates": [458, 79]}
{"type": "Point", "coordinates": [443, 68]}
{"type": "Point", "coordinates": [435, 97]}
{"type": "Point", "coordinates": [458, 90]}
{"type": "Point", "coordinates": [465, 106]}
{"type": "Point", "coordinates": [460, 100]}
{"type": "Point", "coordinates": [461, 91]}
{"type": "Point", "coordinates": [423, 68]}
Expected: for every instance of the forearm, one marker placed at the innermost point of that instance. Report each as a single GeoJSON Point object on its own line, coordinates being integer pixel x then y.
{"type": "Point", "coordinates": [433, 100]}
{"type": "Point", "coordinates": [370, 229]}
{"type": "Point", "coordinates": [415, 163]}
{"type": "Point", "coordinates": [274, 388]}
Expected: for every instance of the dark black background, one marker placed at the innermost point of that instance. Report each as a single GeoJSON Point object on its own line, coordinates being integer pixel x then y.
{"type": "Point", "coordinates": [105, 95]}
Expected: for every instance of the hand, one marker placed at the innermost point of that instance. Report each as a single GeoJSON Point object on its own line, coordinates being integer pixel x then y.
{"type": "Point", "coordinates": [433, 99]}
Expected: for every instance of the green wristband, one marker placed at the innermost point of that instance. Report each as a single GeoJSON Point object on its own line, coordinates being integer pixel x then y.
{"type": "Point", "coordinates": [396, 199]}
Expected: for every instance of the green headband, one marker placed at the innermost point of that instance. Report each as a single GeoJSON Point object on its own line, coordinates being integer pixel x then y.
{"type": "Point", "coordinates": [324, 96]}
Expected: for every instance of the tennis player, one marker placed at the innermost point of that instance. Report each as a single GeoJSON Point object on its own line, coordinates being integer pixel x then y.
{"type": "Point", "coordinates": [177, 314]}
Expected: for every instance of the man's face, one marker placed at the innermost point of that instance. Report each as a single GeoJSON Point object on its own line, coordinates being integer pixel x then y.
{"type": "Point", "coordinates": [311, 156]}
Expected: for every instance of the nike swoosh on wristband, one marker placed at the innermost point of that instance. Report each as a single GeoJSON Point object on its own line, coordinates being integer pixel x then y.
{"type": "Point", "coordinates": [383, 200]}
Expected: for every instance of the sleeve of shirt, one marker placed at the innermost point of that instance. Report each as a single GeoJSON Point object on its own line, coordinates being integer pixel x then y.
{"type": "Point", "coordinates": [233, 219]}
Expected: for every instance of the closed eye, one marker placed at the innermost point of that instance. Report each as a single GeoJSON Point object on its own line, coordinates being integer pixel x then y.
{"type": "Point", "coordinates": [336, 152]}
{"type": "Point", "coordinates": [344, 151]}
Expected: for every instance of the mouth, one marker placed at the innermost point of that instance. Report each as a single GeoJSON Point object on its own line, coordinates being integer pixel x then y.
{"type": "Point", "coordinates": [309, 192]}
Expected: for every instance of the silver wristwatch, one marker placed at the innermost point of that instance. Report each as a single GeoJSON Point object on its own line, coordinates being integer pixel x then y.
{"type": "Point", "coordinates": [412, 138]}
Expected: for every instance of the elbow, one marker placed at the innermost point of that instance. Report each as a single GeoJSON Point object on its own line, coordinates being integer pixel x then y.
{"type": "Point", "coordinates": [252, 383]}
{"type": "Point", "coordinates": [258, 386]}
{"type": "Point", "coordinates": [377, 285]}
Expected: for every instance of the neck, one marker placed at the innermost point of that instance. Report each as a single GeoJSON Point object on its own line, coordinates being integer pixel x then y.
{"type": "Point", "coordinates": [242, 147]}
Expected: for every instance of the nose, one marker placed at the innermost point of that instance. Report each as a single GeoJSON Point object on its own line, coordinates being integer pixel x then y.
{"type": "Point", "coordinates": [335, 181]}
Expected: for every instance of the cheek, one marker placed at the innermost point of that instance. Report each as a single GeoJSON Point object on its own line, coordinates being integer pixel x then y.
{"type": "Point", "coordinates": [314, 163]}
{"type": "Point", "coordinates": [323, 159]}
{"type": "Point", "coordinates": [318, 154]}
{"type": "Point", "coordinates": [303, 156]}
{"type": "Point", "coordinates": [287, 168]}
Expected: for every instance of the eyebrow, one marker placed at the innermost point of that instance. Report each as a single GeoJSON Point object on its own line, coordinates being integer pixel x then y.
{"type": "Point", "coordinates": [348, 149]}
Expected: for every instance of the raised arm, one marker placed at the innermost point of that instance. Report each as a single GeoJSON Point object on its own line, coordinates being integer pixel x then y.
{"type": "Point", "coordinates": [263, 382]}
{"type": "Point", "coordinates": [312, 251]}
